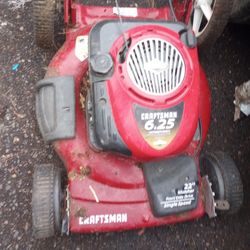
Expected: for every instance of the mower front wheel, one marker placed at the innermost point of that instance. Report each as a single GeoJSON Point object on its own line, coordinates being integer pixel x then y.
{"type": "Point", "coordinates": [225, 179]}
{"type": "Point", "coordinates": [46, 201]}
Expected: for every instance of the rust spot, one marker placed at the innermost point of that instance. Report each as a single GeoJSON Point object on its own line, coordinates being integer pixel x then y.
{"type": "Point", "coordinates": [81, 212]}
{"type": "Point", "coordinates": [72, 175]}
{"type": "Point", "coordinates": [83, 172]}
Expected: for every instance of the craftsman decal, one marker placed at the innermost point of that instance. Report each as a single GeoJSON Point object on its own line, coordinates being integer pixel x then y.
{"type": "Point", "coordinates": [183, 197]}
{"type": "Point", "coordinates": [158, 127]}
{"type": "Point", "coordinates": [104, 219]}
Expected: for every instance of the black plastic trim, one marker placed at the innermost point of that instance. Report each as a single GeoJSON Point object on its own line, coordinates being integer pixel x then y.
{"type": "Point", "coordinates": [104, 33]}
{"type": "Point", "coordinates": [55, 107]}
{"type": "Point", "coordinates": [172, 185]}
{"type": "Point", "coordinates": [102, 130]}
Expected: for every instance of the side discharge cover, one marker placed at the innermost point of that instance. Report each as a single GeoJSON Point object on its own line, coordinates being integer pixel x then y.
{"type": "Point", "coordinates": [55, 107]}
{"type": "Point", "coordinates": [172, 185]}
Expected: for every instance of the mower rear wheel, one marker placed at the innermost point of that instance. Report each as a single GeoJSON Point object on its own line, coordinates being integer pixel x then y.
{"type": "Point", "coordinates": [46, 201]}
{"type": "Point", "coordinates": [225, 179]}
{"type": "Point", "coordinates": [241, 12]}
{"type": "Point", "coordinates": [208, 20]}
{"type": "Point", "coordinates": [47, 18]}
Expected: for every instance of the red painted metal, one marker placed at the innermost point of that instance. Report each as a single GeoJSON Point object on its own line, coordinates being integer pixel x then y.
{"type": "Point", "coordinates": [120, 85]}
{"type": "Point", "coordinates": [83, 15]}
{"type": "Point", "coordinates": [183, 10]}
{"type": "Point", "coordinates": [110, 183]}
{"type": "Point", "coordinates": [139, 215]}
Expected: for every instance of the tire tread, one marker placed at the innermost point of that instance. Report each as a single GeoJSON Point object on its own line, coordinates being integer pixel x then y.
{"type": "Point", "coordinates": [44, 18]}
{"type": "Point", "coordinates": [43, 217]}
{"type": "Point", "coordinates": [217, 24]}
{"type": "Point", "coordinates": [233, 188]}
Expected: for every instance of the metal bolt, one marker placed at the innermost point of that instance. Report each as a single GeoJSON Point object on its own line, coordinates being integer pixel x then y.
{"type": "Point", "coordinates": [101, 63]}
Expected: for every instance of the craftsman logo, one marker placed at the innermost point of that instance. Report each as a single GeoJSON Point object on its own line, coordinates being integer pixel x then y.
{"type": "Point", "coordinates": [158, 127]}
{"type": "Point", "coordinates": [158, 115]}
{"type": "Point", "coordinates": [104, 219]}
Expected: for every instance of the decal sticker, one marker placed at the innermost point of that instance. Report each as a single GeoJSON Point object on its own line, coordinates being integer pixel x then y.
{"type": "Point", "coordinates": [158, 127]}
{"type": "Point", "coordinates": [125, 11]}
{"type": "Point", "coordinates": [81, 48]}
{"type": "Point", "coordinates": [183, 197]}
{"type": "Point", "coordinates": [103, 219]}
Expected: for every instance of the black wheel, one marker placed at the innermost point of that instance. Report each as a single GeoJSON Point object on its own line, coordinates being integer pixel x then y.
{"type": "Point", "coordinates": [241, 11]}
{"type": "Point", "coordinates": [225, 178]}
{"type": "Point", "coordinates": [208, 20]}
{"type": "Point", "coordinates": [46, 201]}
{"type": "Point", "coordinates": [48, 22]}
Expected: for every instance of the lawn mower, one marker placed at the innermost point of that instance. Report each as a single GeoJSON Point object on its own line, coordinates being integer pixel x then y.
{"type": "Point", "coordinates": [126, 105]}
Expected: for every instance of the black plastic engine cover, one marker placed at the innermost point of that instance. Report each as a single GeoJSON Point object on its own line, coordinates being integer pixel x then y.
{"type": "Point", "coordinates": [102, 131]}
{"type": "Point", "coordinates": [172, 185]}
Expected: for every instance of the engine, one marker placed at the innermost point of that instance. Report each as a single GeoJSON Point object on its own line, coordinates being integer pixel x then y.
{"type": "Point", "coordinates": [144, 88]}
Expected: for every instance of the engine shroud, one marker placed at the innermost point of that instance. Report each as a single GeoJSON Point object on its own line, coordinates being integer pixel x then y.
{"type": "Point", "coordinates": [144, 94]}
